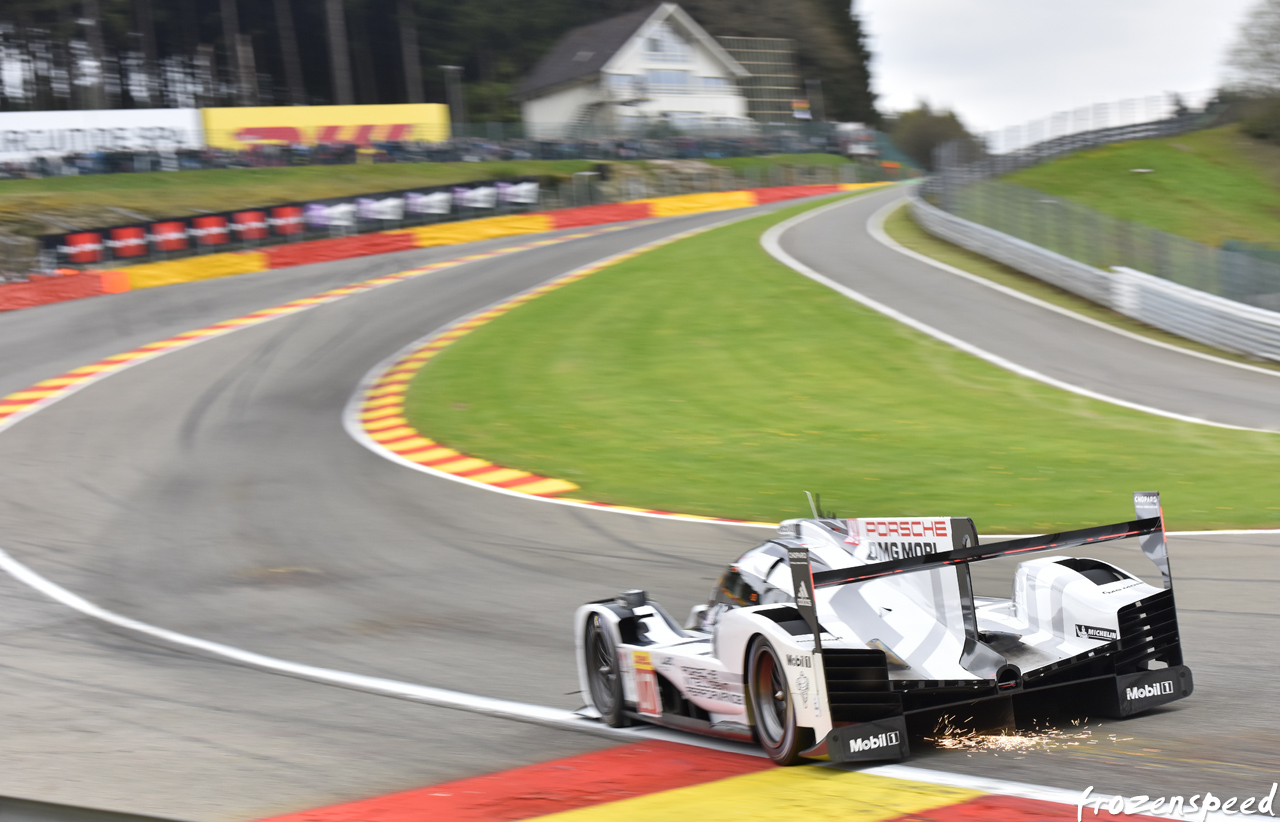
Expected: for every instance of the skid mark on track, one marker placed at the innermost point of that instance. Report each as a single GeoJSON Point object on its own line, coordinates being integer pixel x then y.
{"type": "Point", "coordinates": [21, 404]}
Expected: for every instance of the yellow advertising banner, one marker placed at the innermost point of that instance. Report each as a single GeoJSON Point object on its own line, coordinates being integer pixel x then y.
{"type": "Point", "coordinates": [240, 128]}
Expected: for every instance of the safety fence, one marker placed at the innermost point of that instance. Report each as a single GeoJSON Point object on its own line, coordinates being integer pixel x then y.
{"type": "Point", "coordinates": [73, 284]}
{"type": "Point", "coordinates": [1227, 297]}
{"type": "Point", "coordinates": [1105, 242]}
{"type": "Point", "coordinates": [959, 164]}
{"type": "Point", "coordinates": [1174, 307]}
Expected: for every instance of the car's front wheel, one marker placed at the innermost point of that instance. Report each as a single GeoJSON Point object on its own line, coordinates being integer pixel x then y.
{"type": "Point", "coordinates": [600, 660]}
{"type": "Point", "coordinates": [772, 708]}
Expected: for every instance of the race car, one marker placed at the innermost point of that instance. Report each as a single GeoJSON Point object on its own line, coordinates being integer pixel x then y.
{"type": "Point", "coordinates": [820, 642]}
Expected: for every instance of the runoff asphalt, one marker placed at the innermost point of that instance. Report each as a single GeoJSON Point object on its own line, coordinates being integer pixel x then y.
{"type": "Point", "coordinates": [214, 492]}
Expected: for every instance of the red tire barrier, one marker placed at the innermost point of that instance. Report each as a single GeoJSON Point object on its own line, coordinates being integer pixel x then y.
{"type": "Point", "coordinates": [340, 248]}
{"type": "Point", "coordinates": [595, 215]}
{"type": "Point", "coordinates": [773, 195]}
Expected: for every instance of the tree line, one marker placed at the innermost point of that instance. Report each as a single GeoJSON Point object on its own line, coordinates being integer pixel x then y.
{"type": "Point", "coordinates": [84, 54]}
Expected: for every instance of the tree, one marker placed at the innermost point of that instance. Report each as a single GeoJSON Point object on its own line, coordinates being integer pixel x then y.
{"type": "Point", "coordinates": [1255, 56]}
{"type": "Point", "coordinates": [1254, 60]}
{"type": "Point", "coordinates": [240, 62]}
{"type": "Point", "coordinates": [95, 96]}
{"type": "Point", "coordinates": [851, 98]}
{"type": "Point", "coordinates": [339, 53]}
{"type": "Point", "coordinates": [410, 52]}
{"type": "Point", "coordinates": [98, 53]}
{"type": "Point", "coordinates": [289, 53]}
{"type": "Point", "coordinates": [920, 131]}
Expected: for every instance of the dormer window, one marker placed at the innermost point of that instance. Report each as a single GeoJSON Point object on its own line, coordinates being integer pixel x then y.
{"type": "Point", "coordinates": [664, 45]}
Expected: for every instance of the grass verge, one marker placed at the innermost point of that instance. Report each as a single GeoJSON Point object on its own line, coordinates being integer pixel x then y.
{"type": "Point", "coordinates": [1210, 186]}
{"type": "Point", "coordinates": [903, 229]}
{"type": "Point", "coordinates": [707, 378]}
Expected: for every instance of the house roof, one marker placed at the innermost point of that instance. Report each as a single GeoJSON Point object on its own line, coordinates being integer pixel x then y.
{"type": "Point", "coordinates": [582, 52]}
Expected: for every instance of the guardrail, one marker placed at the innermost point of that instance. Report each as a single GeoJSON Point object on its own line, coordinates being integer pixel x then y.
{"type": "Point", "coordinates": [1244, 273]}
{"type": "Point", "coordinates": [1176, 308]}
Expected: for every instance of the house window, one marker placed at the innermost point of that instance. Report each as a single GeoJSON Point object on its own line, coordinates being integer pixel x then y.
{"type": "Point", "coordinates": [663, 45]}
{"type": "Point", "coordinates": [668, 81]}
{"type": "Point", "coordinates": [622, 85]}
{"type": "Point", "coordinates": [717, 85]}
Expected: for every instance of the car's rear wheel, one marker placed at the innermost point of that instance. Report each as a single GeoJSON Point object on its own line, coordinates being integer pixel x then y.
{"type": "Point", "coordinates": [600, 660]}
{"type": "Point", "coordinates": [772, 709]}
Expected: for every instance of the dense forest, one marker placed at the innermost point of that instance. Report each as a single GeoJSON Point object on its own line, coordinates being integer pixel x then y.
{"type": "Point", "coordinates": [60, 54]}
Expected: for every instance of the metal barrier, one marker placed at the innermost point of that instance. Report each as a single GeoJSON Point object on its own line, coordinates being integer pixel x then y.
{"type": "Point", "coordinates": [1171, 306]}
{"type": "Point", "coordinates": [1058, 224]}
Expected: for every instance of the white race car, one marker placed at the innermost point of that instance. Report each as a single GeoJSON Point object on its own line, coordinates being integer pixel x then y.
{"type": "Point", "coordinates": [821, 641]}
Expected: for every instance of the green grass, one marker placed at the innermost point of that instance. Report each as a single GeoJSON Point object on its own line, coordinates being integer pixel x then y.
{"type": "Point", "coordinates": [741, 164]}
{"type": "Point", "coordinates": [704, 377]}
{"type": "Point", "coordinates": [1209, 186]}
{"type": "Point", "coordinates": [87, 201]}
{"type": "Point", "coordinates": [904, 229]}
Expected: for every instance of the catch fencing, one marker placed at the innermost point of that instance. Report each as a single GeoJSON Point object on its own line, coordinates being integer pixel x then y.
{"type": "Point", "coordinates": [1180, 309]}
{"type": "Point", "coordinates": [1106, 242]}
{"type": "Point", "coordinates": [1227, 297]}
{"type": "Point", "coordinates": [959, 164]}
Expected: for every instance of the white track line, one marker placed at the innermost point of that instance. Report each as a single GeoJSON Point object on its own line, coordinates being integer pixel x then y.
{"type": "Point", "coordinates": [876, 227]}
{"type": "Point", "coordinates": [439, 697]}
{"type": "Point", "coordinates": [557, 718]}
{"type": "Point", "coordinates": [771, 243]}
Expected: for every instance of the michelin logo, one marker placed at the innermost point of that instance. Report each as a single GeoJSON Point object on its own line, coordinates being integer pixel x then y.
{"type": "Point", "coordinates": [1093, 632]}
{"type": "Point", "coordinates": [1148, 691]}
{"type": "Point", "coordinates": [871, 743]}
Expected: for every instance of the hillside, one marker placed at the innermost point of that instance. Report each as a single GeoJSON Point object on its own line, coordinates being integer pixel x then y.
{"type": "Point", "coordinates": [1209, 186]}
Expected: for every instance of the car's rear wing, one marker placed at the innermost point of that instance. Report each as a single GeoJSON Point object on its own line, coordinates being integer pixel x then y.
{"type": "Point", "coordinates": [1149, 529]}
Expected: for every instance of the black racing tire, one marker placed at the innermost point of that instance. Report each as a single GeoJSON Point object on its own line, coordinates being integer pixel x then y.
{"type": "Point", "coordinates": [773, 711]}
{"type": "Point", "coordinates": [600, 661]}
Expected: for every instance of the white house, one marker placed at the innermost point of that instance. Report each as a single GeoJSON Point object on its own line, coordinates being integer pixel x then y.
{"type": "Point", "coordinates": [633, 71]}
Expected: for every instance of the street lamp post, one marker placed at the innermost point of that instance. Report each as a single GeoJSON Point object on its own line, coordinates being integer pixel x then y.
{"type": "Point", "coordinates": [453, 88]}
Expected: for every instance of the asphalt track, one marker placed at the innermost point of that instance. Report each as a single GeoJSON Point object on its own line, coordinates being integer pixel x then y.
{"type": "Point", "coordinates": [1049, 342]}
{"type": "Point", "coordinates": [214, 492]}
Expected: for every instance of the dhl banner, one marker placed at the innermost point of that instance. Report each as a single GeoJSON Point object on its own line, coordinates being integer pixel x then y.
{"type": "Point", "coordinates": [239, 128]}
